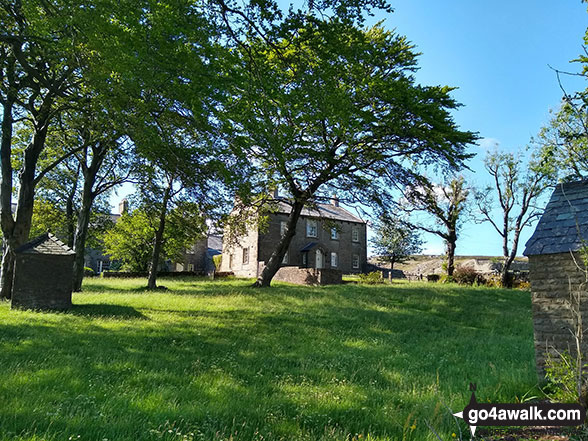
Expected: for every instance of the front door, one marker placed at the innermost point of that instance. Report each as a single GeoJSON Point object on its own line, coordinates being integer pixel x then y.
{"type": "Point", "coordinates": [319, 259]}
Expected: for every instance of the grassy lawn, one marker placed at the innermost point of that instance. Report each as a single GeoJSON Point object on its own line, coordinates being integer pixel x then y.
{"type": "Point", "coordinates": [222, 361]}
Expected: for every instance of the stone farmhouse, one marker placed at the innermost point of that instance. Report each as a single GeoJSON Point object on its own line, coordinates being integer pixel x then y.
{"type": "Point", "coordinates": [328, 237]}
{"type": "Point", "coordinates": [556, 272]}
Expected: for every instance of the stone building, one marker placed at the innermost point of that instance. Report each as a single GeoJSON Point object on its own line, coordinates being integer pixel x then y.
{"type": "Point", "coordinates": [556, 271]}
{"type": "Point", "coordinates": [43, 271]}
{"type": "Point", "coordinates": [327, 238]}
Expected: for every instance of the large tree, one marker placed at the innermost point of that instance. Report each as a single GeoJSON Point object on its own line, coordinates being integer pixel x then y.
{"type": "Point", "coordinates": [445, 205]}
{"type": "Point", "coordinates": [516, 187]}
{"type": "Point", "coordinates": [336, 109]}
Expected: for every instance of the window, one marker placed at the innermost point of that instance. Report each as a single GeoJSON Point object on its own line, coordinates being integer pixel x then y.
{"type": "Point", "coordinates": [191, 267]}
{"type": "Point", "coordinates": [334, 233]}
{"type": "Point", "coordinates": [355, 234]}
{"type": "Point", "coordinates": [356, 261]}
{"type": "Point", "coordinates": [311, 228]}
{"type": "Point", "coordinates": [283, 228]}
{"type": "Point", "coordinates": [231, 257]}
{"type": "Point", "coordinates": [285, 259]}
{"type": "Point", "coordinates": [304, 259]}
{"type": "Point", "coordinates": [334, 260]}
{"type": "Point", "coordinates": [245, 256]}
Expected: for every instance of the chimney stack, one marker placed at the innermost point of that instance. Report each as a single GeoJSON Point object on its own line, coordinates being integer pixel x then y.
{"type": "Point", "coordinates": [123, 206]}
{"type": "Point", "coordinates": [335, 200]}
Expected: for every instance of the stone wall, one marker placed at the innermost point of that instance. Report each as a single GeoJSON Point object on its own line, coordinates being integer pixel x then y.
{"type": "Point", "coordinates": [42, 281]}
{"type": "Point", "coordinates": [236, 264]}
{"type": "Point", "coordinates": [552, 276]}
{"type": "Point", "coordinates": [309, 276]}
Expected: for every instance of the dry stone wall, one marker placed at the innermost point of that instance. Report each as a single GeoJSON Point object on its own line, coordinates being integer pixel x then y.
{"type": "Point", "coordinates": [553, 278]}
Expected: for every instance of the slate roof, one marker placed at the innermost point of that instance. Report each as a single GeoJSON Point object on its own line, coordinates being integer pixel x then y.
{"type": "Point", "coordinates": [45, 244]}
{"type": "Point", "coordinates": [327, 211]}
{"type": "Point", "coordinates": [564, 222]}
{"type": "Point", "coordinates": [215, 245]}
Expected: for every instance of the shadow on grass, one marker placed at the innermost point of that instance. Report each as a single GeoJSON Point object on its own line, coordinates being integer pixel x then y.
{"type": "Point", "coordinates": [102, 310]}
{"type": "Point", "coordinates": [288, 362]}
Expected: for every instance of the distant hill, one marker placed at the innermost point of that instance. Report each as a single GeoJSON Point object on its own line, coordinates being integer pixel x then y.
{"type": "Point", "coordinates": [433, 264]}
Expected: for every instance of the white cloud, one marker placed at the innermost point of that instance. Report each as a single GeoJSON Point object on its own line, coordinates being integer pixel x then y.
{"type": "Point", "coordinates": [488, 143]}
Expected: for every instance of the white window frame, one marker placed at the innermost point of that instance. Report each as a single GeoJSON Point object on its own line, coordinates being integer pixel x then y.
{"type": "Point", "coordinates": [246, 256]}
{"type": "Point", "coordinates": [283, 226]}
{"type": "Point", "coordinates": [355, 264]}
{"type": "Point", "coordinates": [334, 233]}
{"type": "Point", "coordinates": [311, 228]}
{"type": "Point", "coordinates": [355, 234]}
{"type": "Point", "coordinates": [334, 260]}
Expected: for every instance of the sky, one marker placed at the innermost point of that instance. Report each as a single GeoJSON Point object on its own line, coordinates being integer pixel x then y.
{"type": "Point", "coordinates": [498, 55]}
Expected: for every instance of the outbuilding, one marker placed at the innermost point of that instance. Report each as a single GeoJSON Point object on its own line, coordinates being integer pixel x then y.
{"type": "Point", "coordinates": [43, 270]}
{"type": "Point", "coordinates": [557, 273]}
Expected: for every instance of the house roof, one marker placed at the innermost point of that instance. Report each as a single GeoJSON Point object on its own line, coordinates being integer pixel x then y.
{"type": "Point", "coordinates": [327, 211]}
{"type": "Point", "coordinates": [564, 224]}
{"type": "Point", "coordinates": [214, 245]}
{"type": "Point", "coordinates": [45, 244]}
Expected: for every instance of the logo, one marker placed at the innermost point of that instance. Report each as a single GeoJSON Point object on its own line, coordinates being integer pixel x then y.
{"type": "Point", "coordinates": [521, 414]}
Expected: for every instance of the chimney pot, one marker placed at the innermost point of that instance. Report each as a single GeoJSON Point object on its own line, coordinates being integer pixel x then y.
{"type": "Point", "coordinates": [335, 200]}
{"type": "Point", "coordinates": [123, 206]}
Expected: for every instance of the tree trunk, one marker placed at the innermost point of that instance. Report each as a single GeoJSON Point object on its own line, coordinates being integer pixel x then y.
{"type": "Point", "coordinates": [505, 280]}
{"type": "Point", "coordinates": [273, 264]}
{"type": "Point", "coordinates": [21, 226]}
{"type": "Point", "coordinates": [6, 219]}
{"type": "Point", "coordinates": [82, 234]}
{"type": "Point", "coordinates": [451, 241]}
{"type": "Point", "coordinates": [69, 212]}
{"type": "Point", "coordinates": [152, 281]}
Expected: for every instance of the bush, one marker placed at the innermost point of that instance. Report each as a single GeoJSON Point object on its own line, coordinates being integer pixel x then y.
{"type": "Point", "coordinates": [562, 379]}
{"type": "Point", "coordinates": [465, 275]}
{"type": "Point", "coordinates": [88, 272]}
{"type": "Point", "coordinates": [444, 278]}
{"type": "Point", "coordinates": [372, 278]}
{"type": "Point", "coordinates": [217, 260]}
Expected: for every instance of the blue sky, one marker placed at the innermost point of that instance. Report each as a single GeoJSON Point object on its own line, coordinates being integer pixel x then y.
{"type": "Point", "coordinates": [498, 55]}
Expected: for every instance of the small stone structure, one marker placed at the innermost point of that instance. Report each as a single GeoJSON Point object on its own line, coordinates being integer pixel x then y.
{"type": "Point", "coordinates": [43, 270]}
{"type": "Point", "coordinates": [309, 276]}
{"type": "Point", "coordinates": [554, 273]}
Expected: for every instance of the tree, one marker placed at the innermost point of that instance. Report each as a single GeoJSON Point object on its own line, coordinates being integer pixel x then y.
{"type": "Point", "coordinates": [40, 67]}
{"type": "Point", "coordinates": [394, 241]}
{"type": "Point", "coordinates": [446, 204]}
{"type": "Point", "coordinates": [517, 188]}
{"type": "Point", "coordinates": [335, 109]}
{"type": "Point", "coordinates": [564, 140]}
{"type": "Point", "coordinates": [131, 240]}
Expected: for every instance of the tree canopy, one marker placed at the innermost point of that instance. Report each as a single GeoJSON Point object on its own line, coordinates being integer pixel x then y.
{"type": "Point", "coordinates": [336, 109]}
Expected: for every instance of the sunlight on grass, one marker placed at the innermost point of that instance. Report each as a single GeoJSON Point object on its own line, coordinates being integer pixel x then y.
{"type": "Point", "coordinates": [218, 360]}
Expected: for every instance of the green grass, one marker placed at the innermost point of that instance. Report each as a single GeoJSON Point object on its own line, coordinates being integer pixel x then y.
{"type": "Point", "coordinates": [222, 361]}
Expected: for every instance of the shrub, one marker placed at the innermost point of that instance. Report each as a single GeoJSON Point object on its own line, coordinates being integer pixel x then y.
{"type": "Point", "coordinates": [88, 272]}
{"type": "Point", "coordinates": [371, 278]}
{"type": "Point", "coordinates": [562, 379]}
{"type": "Point", "coordinates": [444, 278]}
{"type": "Point", "coordinates": [217, 260]}
{"type": "Point", "coordinates": [466, 275]}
